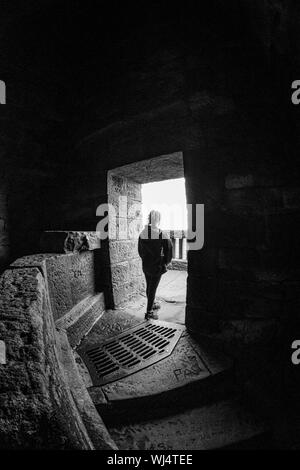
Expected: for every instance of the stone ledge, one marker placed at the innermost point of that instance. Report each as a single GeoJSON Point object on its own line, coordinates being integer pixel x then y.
{"type": "Point", "coordinates": [30, 261]}
{"type": "Point", "coordinates": [69, 241]}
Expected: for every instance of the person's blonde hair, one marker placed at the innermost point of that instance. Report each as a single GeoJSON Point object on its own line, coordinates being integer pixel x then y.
{"type": "Point", "coordinates": [154, 217]}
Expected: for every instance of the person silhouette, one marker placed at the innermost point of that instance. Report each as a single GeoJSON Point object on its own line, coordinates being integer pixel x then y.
{"type": "Point", "coordinates": [155, 250]}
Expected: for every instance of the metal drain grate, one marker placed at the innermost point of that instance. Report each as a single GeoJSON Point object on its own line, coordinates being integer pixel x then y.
{"type": "Point", "coordinates": [130, 351]}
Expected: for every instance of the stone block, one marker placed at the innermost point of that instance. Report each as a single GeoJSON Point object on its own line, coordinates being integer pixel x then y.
{"type": "Point", "coordinates": [133, 190]}
{"type": "Point", "coordinates": [126, 271]}
{"type": "Point", "coordinates": [134, 209]}
{"type": "Point", "coordinates": [118, 205]}
{"type": "Point", "coordinates": [135, 226]}
{"type": "Point", "coordinates": [126, 291]}
{"type": "Point", "coordinates": [113, 227]}
{"type": "Point", "coordinates": [120, 273]}
{"type": "Point", "coordinates": [122, 250]}
{"type": "Point", "coordinates": [60, 291]}
{"type": "Point", "coordinates": [125, 206]}
{"type": "Point", "coordinates": [116, 184]}
{"type": "Point", "coordinates": [82, 275]}
{"type": "Point", "coordinates": [71, 278]}
{"type": "Point", "coordinates": [119, 229]}
{"type": "Point", "coordinates": [135, 268]}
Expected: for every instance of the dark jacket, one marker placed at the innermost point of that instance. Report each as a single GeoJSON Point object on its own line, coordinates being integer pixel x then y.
{"type": "Point", "coordinates": [155, 251]}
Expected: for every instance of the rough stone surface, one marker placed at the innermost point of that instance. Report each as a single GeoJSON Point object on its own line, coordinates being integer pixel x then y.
{"type": "Point", "coordinates": [91, 418]}
{"type": "Point", "coordinates": [43, 401]}
{"type": "Point", "coordinates": [128, 290]}
{"type": "Point", "coordinates": [36, 406]}
{"type": "Point", "coordinates": [126, 268]}
{"type": "Point", "coordinates": [36, 260]}
{"type": "Point", "coordinates": [122, 250]}
{"type": "Point", "coordinates": [71, 278]}
{"type": "Point", "coordinates": [154, 169]}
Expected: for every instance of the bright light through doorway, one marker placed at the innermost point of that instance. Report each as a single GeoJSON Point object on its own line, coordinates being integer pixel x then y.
{"type": "Point", "coordinates": [168, 197]}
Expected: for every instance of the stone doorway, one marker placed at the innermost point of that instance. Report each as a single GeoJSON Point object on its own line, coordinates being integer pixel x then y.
{"type": "Point", "coordinates": [125, 223]}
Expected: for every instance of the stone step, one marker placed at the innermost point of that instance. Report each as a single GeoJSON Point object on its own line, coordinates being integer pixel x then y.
{"type": "Point", "coordinates": [225, 424]}
{"type": "Point", "coordinates": [78, 321]}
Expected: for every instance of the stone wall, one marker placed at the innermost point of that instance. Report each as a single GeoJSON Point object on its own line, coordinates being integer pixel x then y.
{"type": "Point", "coordinates": [44, 403]}
{"type": "Point", "coordinates": [251, 221]}
{"type": "Point", "coordinates": [125, 264]}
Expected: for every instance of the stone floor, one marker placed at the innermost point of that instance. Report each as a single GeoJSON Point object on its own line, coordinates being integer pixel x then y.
{"type": "Point", "coordinates": [185, 401]}
{"type": "Point", "coordinates": [171, 294]}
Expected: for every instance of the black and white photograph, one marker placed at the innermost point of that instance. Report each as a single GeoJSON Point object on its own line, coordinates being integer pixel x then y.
{"type": "Point", "coordinates": [149, 228]}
